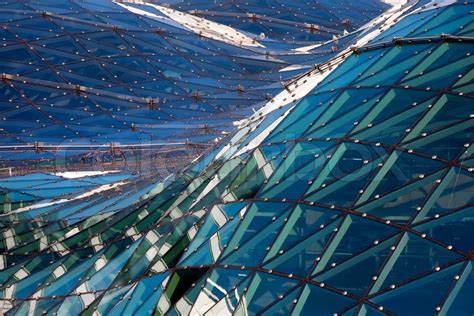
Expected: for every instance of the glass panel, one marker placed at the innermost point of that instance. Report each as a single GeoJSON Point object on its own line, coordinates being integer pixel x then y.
{"type": "Point", "coordinates": [315, 299]}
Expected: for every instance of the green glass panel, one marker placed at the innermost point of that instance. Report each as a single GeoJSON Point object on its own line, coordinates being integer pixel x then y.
{"type": "Point", "coordinates": [301, 256]}
{"type": "Point", "coordinates": [427, 292]}
{"type": "Point", "coordinates": [283, 305]}
{"type": "Point", "coordinates": [355, 235]}
{"type": "Point", "coordinates": [265, 290]}
{"type": "Point", "coordinates": [317, 300]}
{"type": "Point", "coordinates": [356, 274]}
{"type": "Point", "coordinates": [415, 256]}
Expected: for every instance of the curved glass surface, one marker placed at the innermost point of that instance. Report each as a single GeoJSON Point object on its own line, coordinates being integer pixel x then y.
{"type": "Point", "coordinates": [350, 192]}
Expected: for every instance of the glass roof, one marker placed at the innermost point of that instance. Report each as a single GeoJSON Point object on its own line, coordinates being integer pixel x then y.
{"type": "Point", "coordinates": [350, 192]}
{"type": "Point", "coordinates": [286, 20]}
{"type": "Point", "coordinates": [97, 72]}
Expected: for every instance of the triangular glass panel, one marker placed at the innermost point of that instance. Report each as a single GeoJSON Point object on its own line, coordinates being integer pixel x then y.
{"type": "Point", "coordinates": [355, 234]}
{"type": "Point", "coordinates": [303, 220]}
{"type": "Point", "coordinates": [301, 257]}
{"type": "Point", "coordinates": [356, 274]}
{"type": "Point", "coordinates": [453, 229]}
{"type": "Point", "coordinates": [427, 292]}
{"type": "Point", "coordinates": [315, 300]}
{"type": "Point", "coordinates": [400, 205]}
{"type": "Point", "coordinates": [413, 257]}
{"type": "Point", "coordinates": [258, 216]}
{"type": "Point", "coordinates": [253, 250]}
{"type": "Point", "coordinates": [265, 290]}
{"type": "Point", "coordinates": [283, 306]}
{"type": "Point", "coordinates": [459, 300]}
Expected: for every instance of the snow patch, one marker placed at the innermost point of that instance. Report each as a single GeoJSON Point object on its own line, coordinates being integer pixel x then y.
{"type": "Point", "coordinates": [45, 203]}
{"type": "Point", "coordinates": [82, 174]}
{"type": "Point", "coordinates": [196, 24]}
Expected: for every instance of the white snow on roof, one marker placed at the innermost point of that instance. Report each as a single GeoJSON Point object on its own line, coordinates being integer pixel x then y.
{"type": "Point", "coordinates": [304, 49]}
{"type": "Point", "coordinates": [82, 174]}
{"type": "Point", "coordinates": [196, 24]}
{"type": "Point", "coordinates": [433, 5]}
{"type": "Point", "coordinates": [45, 203]}
{"type": "Point", "coordinates": [294, 67]}
{"type": "Point", "coordinates": [394, 2]}
{"type": "Point", "coordinates": [387, 19]}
